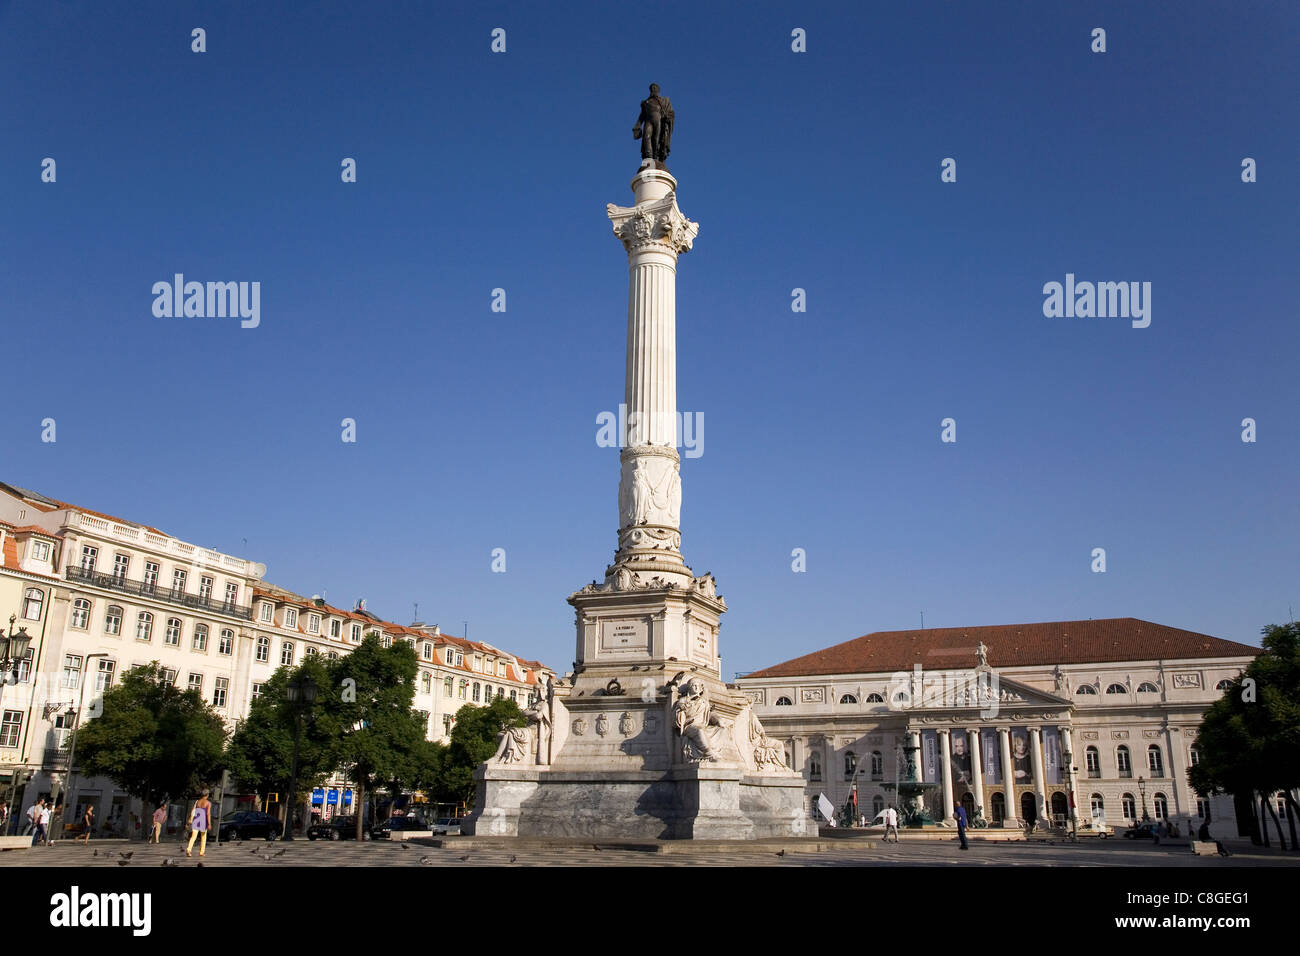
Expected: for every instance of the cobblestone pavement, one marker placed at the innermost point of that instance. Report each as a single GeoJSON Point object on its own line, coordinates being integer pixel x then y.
{"type": "Point", "coordinates": [302, 853]}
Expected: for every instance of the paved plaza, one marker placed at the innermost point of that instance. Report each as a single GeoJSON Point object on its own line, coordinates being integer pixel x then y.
{"type": "Point", "coordinates": [303, 853]}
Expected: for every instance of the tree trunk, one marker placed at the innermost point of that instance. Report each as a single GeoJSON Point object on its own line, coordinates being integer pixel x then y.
{"type": "Point", "coordinates": [1272, 815]}
{"type": "Point", "coordinates": [1291, 811]}
{"type": "Point", "coordinates": [361, 805]}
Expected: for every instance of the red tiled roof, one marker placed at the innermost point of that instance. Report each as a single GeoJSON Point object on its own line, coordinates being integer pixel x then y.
{"type": "Point", "coordinates": [1010, 645]}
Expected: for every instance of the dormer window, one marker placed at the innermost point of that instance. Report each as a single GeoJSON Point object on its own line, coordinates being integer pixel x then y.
{"type": "Point", "coordinates": [290, 617]}
{"type": "Point", "coordinates": [313, 623]}
{"type": "Point", "coordinates": [40, 551]}
{"type": "Point", "coordinates": [266, 613]}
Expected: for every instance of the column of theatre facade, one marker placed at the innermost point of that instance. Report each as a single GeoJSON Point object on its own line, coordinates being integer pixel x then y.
{"type": "Point", "coordinates": [1128, 727]}
{"type": "Point", "coordinates": [100, 595]}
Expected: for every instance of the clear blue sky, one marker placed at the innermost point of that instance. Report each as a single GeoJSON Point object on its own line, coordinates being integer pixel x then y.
{"type": "Point", "coordinates": [476, 430]}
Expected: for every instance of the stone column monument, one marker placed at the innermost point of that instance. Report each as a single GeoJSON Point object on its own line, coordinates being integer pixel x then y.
{"type": "Point", "coordinates": [644, 740]}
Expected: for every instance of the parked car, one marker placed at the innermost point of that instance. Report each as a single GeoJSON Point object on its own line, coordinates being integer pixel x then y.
{"type": "Point", "coordinates": [411, 822]}
{"type": "Point", "coordinates": [1143, 831]}
{"type": "Point", "coordinates": [447, 826]}
{"type": "Point", "coordinates": [340, 828]}
{"type": "Point", "coordinates": [249, 825]}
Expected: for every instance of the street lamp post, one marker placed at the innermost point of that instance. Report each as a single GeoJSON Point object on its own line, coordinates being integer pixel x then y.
{"type": "Point", "coordinates": [1067, 760]}
{"type": "Point", "coordinates": [302, 693]}
{"type": "Point", "coordinates": [76, 726]}
{"type": "Point", "coordinates": [1142, 790]}
{"type": "Point", "coordinates": [13, 648]}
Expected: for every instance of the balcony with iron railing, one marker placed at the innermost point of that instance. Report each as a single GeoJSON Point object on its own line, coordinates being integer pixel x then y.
{"type": "Point", "coordinates": [194, 602]}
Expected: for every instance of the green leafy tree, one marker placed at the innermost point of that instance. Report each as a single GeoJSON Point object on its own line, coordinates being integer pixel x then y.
{"type": "Point", "coordinates": [474, 740]}
{"type": "Point", "coordinates": [369, 697]}
{"type": "Point", "coordinates": [1249, 741]}
{"type": "Point", "coordinates": [152, 738]}
{"type": "Point", "coordinates": [260, 754]}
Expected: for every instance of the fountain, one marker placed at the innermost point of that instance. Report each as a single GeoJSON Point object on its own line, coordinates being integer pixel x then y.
{"type": "Point", "coordinates": [911, 791]}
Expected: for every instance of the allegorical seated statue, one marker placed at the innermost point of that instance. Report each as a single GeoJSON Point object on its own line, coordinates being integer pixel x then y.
{"type": "Point", "coordinates": [768, 753]}
{"type": "Point", "coordinates": [654, 127]}
{"type": "Point", "coordinates": [694, 719]}
{"type": "Point", "coordinates": [518, 744]}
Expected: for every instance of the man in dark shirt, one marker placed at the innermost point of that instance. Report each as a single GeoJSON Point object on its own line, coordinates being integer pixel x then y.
{"type": "Point", "coordinates": [960, 813]}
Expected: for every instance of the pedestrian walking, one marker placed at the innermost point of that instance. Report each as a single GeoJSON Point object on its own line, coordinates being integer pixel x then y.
{"type": "Point", "coordinates": [891, 824]}
{"type": "Point", "coordinates": [159, 818]}
{"type": "Point", "coordinates": [34, 817]}
{"type": "Point", "coordinates": [960, 813]}
{"type": "Point", "coordinates": [88, 821]}
{"type": "Point", "coordinates": [4, 816]}
{"type": "Point", "coordinates": [42, 824]}
{"type": "Point", "coordinates": [200, 819]}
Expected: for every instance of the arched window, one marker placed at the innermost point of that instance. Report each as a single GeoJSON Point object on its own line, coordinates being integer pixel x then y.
{"type": "Point", "coordinates": [783, 702]}
{"type": "Point", "coordinates": [1117, 689]}
{"type": "Point", "coordinates": [478, 689]}
{"type": "Point", "coordinates": [501, 692]}
{"type": "Point", "coordinates": [1161, 804]}
{"type": "Point", "coordinates": [33, 601]}
{"type": "Point", "coordinates": [1060, 807]}
{"type": "Point", "coordinates": [1155, 761]}
{"type": "Point", "coordinates": [848, 699]}
{"type": "Point", "coordinates": [312, 650]}
{"type": "Point", "coordinates": [487, 693]}
{"type": "Point", "coordinates": [461, 690]}
{"type": "Point", "coordinates": [850, 764]}
{"type": "Point", "coordinates": [1086, 690]}
{"type": "Point", "coordinates": [999, 803]}
{"type": "Point", "coordinates": [877, 765]}
{"type": "Point", "coordinates": [1223, 685]}
{"type": "Point", "coordinates": [80, 614]}
{"type": "Point", "coordinates": [901, 697]}
{"type": "Point", "coordinates": [286, 653]}
{"type": "Point", "coordinates": [514, 695]}
{"type": "Point", "coordinates": [1092, 758]}
{"type": "Point", "coordinates": [172, 634]}
{"type": "Point", "coordinates": [113, 620]}
{"type": "Point", "coordinates": [200, 642]}
{"type": "Point", "coordinates": [1146, 687]}
{"type": "Point", "coordinates": [333, 655]}
{"type": "Point", "coordinates": [144, 626]}
{"type": "Point", "coordinates": [263, 648]}
{"type": "Point", "coordinates": [1098, 806]}
{"type": "Point", "coordinates": [1122, 761]}
{"type": "Point", "coordinates": [226, 646]}
{"type": "Point", "coordinates": [875, 699]}
{"type": "Point", "coordinates": [426, 682]}
{"type": "Point", "coordinates": [1128, 809]}
{"type": "Point", "coordinates": [814, 766]}
{"type": "Point", "coordinates": [877, 806]}
{"type": "Point", "coordinates": [446, 687]}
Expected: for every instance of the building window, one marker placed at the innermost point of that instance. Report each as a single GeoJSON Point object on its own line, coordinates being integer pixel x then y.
{"type": "Point", "coordinates": [257, 691]}
{"type": "Point", "coordinates": [263, 648]}
{"type": "Point", "coordinates": [143, 626]}
{"type": "Point", "coordinates": [120, 564]}
{"type": "Point", "coordinates": [814, 767]}
{"type": "Point", "coordinates": [426, 651]}
{"type": "Point", "coordinates": [875, 699]}
{"type": "Point", "coordinates": [1146, 687]}
{"type": "Point", "coordinates": [40, 551]}
{"type": "Point", "coordinates": [266, 612]}
{"type": "Point", "coordinates": [150, 577]}
{"type": "Point", "coordinates": [168, 675]}
{"type": "Point", "coordinates": [1092, 759]}
{"type": "Point", "coordinates": [25, 666]}
{"type": "Point", "coordinates": [1223, 685]}
{"type": "Point", "coordinates": [877, 806]}
{"type": "Point", "coordinates": [1161, 805]}
{"type": "Point", "coordinates": [290, 617]}
{"type": "Point", "coordinates": [1195, 756]}
{"type": "Point", "coordinates": [461, 690]}
{"type": "Point", "coordinates": [196, 682]}
{"type": "Point", "coordinates": [783, 702]}
{"type": "Point", "coordinates": [178, 580]}
{"type": "Point", "coordinates": [1117, 689]}
{"type": "Point", "coordinates": [877, 765]}
{"type": "Point", "coordinates": [356, 633]}
{"type": "Point", "coordinates": [336, 629]}
{"type": "Point", "coordinates": [1122, 761]}
{"type": "Point", "coordinates": [219, 692]}
{"type": "Point", "coordinates": [1128, 809]}
{"type": "Point", "coordinates": [1098, 806]}
{"type": "Point", "coordinates": [104, 679]}
{"type": "Point", "coordinates": [487, 693]}
{"type": "Point", "coordinates": [113, 620]}
{"type": "Point", "coordinates": [226, 646]}
{"type": "Point", "coordinates": [514, 695]}
{"type": "Point", "coordinates": [386, 640]}
{"type": "Point", "coordinates": [313, 623]}
{"type": "Point", "coordinates": [1155, 762]}
{"type": "Point", "coordinates": [71, 671]}
{"type": "Point", "coordinates": [426, 682]}
{"type": "Point", "coordinates": [848, 699]}
{"type": "Point", "coordinates": [446, 687]}
{"type": "Point", "coordinates": [33, 602]}
{"type": "Point", "coordinates": [200, 642]}
{"type": "Point", "coordinates": [80, 614]}
{"type": "Point", "coordinates": [311, 650]}
{"type": "Point", "coordinates": [88, 556]}
{"type": "Point", "coordinates": [1086, 690]}
{"type": "Point", "coordinates": [11, 727]}
{"type": "Point", "coordinates": [172, 635]}
{"type": "Point", "coordinates": [1202, 807]}
{"type": "Point", "coordinates": [477, 688]}
{"type": "Point", "coordinates": [901, 697]}
{"type": "Point", "coordinates": [286, 653]}
{"type": "Point", "coordinates": [460, 659]}
{"type": "Point", "coordinates": [205, 588]}
{"type": "Point", "coordinates": [448, 655]}
{"type": "Point", "coordinates": [232, 592]}
{"type": "Point", "coordinates": [333, 655]}
{"type": "Point", "coordinates": [850, 764]}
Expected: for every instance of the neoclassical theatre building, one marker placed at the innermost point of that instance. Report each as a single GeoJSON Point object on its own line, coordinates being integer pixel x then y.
{"type": "Point", "coordinates": [1009, 720]}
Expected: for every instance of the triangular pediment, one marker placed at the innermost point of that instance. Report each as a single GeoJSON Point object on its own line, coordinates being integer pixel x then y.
{"type": "Point", "coordinates": [982, 692]}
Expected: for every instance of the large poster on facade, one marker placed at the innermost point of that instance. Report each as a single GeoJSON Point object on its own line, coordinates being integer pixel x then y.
{"type": "Point", "coordinates": [929, 756]}
{"type": "Point", "coordinates": [961, 770]}
{"type": "Point", "coordinates": [992, 759]}
{"type": "Point", "coordinates": [1021, 772]}
{"type": "Point", "coordinates": [1052, 754]}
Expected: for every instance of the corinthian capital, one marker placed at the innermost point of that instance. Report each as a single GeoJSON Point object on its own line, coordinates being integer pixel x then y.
{"type": "Point", "coordinates": [659, 224]}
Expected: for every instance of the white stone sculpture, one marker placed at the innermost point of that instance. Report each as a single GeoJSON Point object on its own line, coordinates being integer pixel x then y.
{"type": "Point", "coordinates": [694, 720]}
